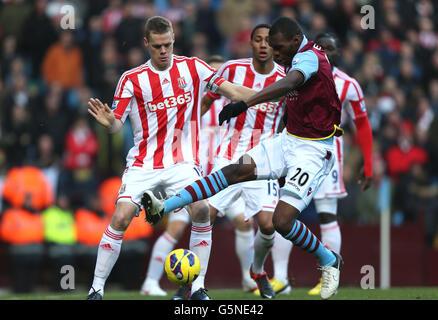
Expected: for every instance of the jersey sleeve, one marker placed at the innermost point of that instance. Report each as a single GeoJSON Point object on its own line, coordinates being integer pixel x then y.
{"type": "Point", "coordinates": [210, 78]}
{"type": "Point", "coordinates": [306, 62]}
{"type": "Point", "coordinates": [122, 98]}
{"type": "Point", "coordinates": [355, 103]}
{"type": "Point", "coordinates": [223, 71]}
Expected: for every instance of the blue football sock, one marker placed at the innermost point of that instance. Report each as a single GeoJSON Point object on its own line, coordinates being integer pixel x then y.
{"type": "Point", "coordinates": [302, 237]}
{"type": "Point", "coordinates": [198, 190]}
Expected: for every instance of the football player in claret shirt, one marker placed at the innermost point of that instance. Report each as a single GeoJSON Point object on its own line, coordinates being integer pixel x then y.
{"type": "Point", "coordinates": [162, 98]}
{"type": "Point", "coordinates": [326, 198]}
{"type": "Point", "coordinates": [353, 106]}
{"type": "Point", "coordinates": [302, 153]}
{"type": "Point", "coordinates": [240, 135]}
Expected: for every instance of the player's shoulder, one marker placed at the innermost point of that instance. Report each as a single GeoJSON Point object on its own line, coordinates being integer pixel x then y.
{"type": "Point", "coordinates": [134, 70]}
{"type": "Point", "coordinates": [343, 75]}
{"type": "Point", "coordinates": [279, 69]}
{"type": "Point", "coordinates": [237, 62]}
{"type": "Point", "coordinates": [354, 84]}
{"type": "Point", "coordinates": [187, 59]}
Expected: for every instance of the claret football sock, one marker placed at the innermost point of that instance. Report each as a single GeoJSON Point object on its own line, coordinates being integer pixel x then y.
{"type": "Point", "coordinates": [198, 190]}
{"type": "Point", "coordinates": [302, 237]}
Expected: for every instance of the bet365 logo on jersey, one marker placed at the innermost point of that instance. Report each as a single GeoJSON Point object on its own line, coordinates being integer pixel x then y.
{"type": "Point", "coordinates": [267, 107]}
{"type": "Point", "coordinates": [170, 102]}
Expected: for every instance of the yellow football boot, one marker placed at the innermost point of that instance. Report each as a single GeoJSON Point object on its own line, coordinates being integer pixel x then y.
{"type": "Point", "coordinates": [278, 286]}
{"type": "Point", "coordinates": [316, 290]}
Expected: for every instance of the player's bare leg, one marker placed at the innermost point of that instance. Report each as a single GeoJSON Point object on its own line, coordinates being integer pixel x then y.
{"type": "Point", "coordinates": [243, 170]}
{"type": "Point", "coordinates": [109, 247]}
{"type": "Point", "coordinates": [286, 223]}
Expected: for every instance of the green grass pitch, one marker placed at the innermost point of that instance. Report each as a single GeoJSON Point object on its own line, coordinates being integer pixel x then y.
{"type": "Point", "coordinates": [346, 293]}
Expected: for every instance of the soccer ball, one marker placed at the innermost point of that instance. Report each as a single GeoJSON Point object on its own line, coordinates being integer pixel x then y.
{"type": "Point", "coordinates": [182, 266]}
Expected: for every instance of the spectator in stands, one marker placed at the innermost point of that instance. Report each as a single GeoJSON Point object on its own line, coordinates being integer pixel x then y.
{"type": "Point", "coordinates": [401, 157]}
{"type": "Point", "coordinates": [27, 193]}
{"type": "Point", "coordinates": [129, 33]}
{"type": "Point", "coordinates": [112, 16]}
{"type": "Point", "coordinates": [38, 34]}
{"type": "Point", "coordinates": [59, 238]}
{"type": "Point", "coordinates": [63, 63]}
{"type": "Point", "coordinates": [78, 175]}
{"type": "Point", "coordinates": [53, 118]}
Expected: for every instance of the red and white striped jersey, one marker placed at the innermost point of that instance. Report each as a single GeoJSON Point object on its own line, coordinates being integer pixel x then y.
{"type": "Point", "coordinates": [258, 122]}
{"type": "Point", "coordinates": [164, 109]}
{"type": "Point", "coordinates": [350, 94]}
{"type": "Point", "coordinates": [210, 135]}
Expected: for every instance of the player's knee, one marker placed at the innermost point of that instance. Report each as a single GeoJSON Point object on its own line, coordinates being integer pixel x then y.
{"type": "Point", "coordinates": [176, 229]}
{"type": "Point", "coordinates": [281, 224]}
{"type": "Point", "coordinates": [240, 224]}
{"type": "Point", "coordinates": [241, 171]}
{"type": "Point", "coordinates": [200, 212]}
{"type": "Point", "coordinates": [120, 222]}
{"type": "Point", "coordinates": [265, 222]}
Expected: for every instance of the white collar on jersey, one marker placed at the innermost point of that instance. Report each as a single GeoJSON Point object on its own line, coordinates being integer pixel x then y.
{"type": "Point", "coordinates": [303, 42]}
{"type": "Point", "coordinates": [274, 69]}
{"type": "Point", "coordinates": [149, 64]}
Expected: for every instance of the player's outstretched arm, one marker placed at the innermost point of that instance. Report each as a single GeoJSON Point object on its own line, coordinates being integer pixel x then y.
{"type": "Point", "coordinates": [278, 89]}
{"type": "Point", "coordinates": [273, 92]}
{"type": "Point", "coordinates": [235, 92]}
{"type": "Point", "coordinates": [104, 115]}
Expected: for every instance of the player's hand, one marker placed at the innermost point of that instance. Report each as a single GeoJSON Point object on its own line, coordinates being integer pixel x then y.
{"type": "Point", "coordinates": [232, 110]}
{"type": "Point", "coordinates": [101, 112]}
{"type": "Point", "coordinates": [366, 182]}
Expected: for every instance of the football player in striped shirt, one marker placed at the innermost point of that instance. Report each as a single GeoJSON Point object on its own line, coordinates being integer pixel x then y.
{"type": "Point", "coordinates": [303, 152]}
{"type": "Point", "coordinates": [179, 220]}
{"type": "Point", "coordinates": [162, 99]}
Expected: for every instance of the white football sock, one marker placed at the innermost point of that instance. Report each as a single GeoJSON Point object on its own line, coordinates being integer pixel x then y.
{"type": "Point", "coordinates": [331, 236]}
{"type": "Point", "coordinates": [280, 257]}
{"type": "Point", "coordinates": [262, 246]}
{"type": "Point", "coordinates": [200, 244]}
{"type": "Point", "coordinates": [107, 255]}
{"type": "Point", "coordinates": [162, 247]}
{"type": "Point", "coordinates": [244, 243]}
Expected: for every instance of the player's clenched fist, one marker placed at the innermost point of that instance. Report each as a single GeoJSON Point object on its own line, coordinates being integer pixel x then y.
{"type": "Point", "coordinates": [232, 110]}
{"type": "Point", "coordinates": [101, 112]}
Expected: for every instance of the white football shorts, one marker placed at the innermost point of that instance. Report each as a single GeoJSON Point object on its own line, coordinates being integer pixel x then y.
{"type": "Point", "coordinates": [304, 163]}
{"type": "Point", "coordinates": [333, 185]}
{"type": "Point", "coordinates": [257, 195]}
{"type": "Point", "coordinates": [136, 180]}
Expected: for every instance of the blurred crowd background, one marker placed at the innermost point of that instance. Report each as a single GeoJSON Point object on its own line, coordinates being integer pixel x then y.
{"type": "Point", "coordinates": [47, 75]}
